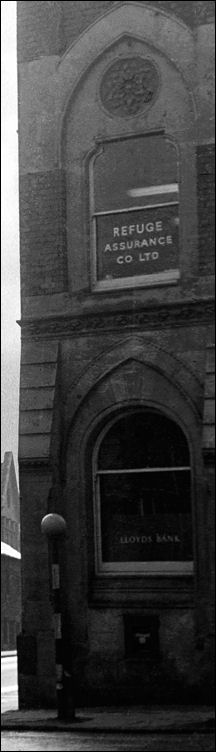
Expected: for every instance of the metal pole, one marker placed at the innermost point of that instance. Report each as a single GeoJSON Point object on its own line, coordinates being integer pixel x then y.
{"type": "Point", "coordinates": [54, 527]}
{"type": "Point", "coordinates": [57, 628]}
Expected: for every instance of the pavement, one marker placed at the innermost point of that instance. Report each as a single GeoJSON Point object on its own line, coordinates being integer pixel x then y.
{"type": "Point", "coordinates": [152, 719]}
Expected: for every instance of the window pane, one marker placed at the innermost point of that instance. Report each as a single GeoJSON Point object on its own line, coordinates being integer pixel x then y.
{"type": "Point", "coordinates": [143, 440]}
{"type": "Point", "coordinates": [145, 493]}
{"type": "Point", "coordinates": [129, 165]}
{"type": "Point", "coordinates": [146, 517]}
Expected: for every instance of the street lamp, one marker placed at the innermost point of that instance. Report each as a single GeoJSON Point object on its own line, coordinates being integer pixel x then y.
{"type": "Point", "coordinates": [54, 527]}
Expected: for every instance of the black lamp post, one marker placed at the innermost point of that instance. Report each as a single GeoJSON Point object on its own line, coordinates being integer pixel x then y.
{"type": "Point", "coordinates": [54, 527]}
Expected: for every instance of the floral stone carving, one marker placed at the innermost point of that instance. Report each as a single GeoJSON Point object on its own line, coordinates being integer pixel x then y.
{"type": "Point", "coordinates": [129, 85]}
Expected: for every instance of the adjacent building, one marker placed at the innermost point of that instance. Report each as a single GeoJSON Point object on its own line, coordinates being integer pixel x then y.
{"type": "Point", "coordinates": [10, 555]}
{"type": "Point", "coordinates": [116, 143]}
{"type": "Point", "coordinates": [10, 504]}
{"type": "Point", "coordinates": [10, 596]}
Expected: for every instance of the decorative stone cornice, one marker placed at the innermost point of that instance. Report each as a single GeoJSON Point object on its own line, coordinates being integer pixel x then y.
{"type": "Point", "coordinates": [129, 591]}
{"type": "Point", "coordinates": [39, 463]}
{"type": "Point", "coordinates": [179, 315]}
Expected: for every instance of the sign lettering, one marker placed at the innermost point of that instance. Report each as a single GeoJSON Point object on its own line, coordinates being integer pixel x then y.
{"type": "Point", "coordinates": [165, 538]}
{"type": "Point", "coordinates": [161, 537]}
{"type": "Point", "coordinates": [137, 242]}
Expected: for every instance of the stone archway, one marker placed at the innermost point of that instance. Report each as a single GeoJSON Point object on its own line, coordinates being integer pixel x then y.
{"type": "Point", "coordinates": [142, 351]}
{"type": "Point", "coordinates": [168, 34]}
{"type": "Point", "coordinates": [131, 384]}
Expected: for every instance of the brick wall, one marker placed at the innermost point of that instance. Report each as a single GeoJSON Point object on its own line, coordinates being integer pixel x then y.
{"type": "Point", "coordinates": [206, 207]}
{"type": "Point", "coordinates": [43, 266]}
{"type": "Point", "coordinates": [38, 29]}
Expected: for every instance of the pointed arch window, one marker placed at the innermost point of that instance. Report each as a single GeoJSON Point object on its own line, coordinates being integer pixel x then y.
{"type": "Point", "coordinates": [142, 477]}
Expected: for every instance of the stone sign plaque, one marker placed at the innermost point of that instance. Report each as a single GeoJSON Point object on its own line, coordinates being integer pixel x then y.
{"type": "Point", "coordinates": [136, 243]}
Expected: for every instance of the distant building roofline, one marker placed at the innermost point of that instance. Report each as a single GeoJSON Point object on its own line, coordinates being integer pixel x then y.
{"type": "Point", "coordinates": [8, 472]}
{"type": "Point", "coordinates": [7, 550]}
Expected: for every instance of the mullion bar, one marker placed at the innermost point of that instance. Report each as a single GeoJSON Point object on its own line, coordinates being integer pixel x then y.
{"type": "Point", "coordinates": [134, 208]}
{"type": "Point", "coordinates": [144, 470]}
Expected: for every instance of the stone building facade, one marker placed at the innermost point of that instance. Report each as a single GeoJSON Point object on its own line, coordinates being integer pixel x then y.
{"type": "Point", "coordinates": [116, 144]}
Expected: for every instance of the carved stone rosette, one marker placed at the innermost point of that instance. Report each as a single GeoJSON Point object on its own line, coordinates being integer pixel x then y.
{"type": "Point", "coordinates": [129, 85]}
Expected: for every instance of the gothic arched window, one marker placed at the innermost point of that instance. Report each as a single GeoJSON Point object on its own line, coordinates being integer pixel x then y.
{"type": "Point", "coordinates": [142, 480]}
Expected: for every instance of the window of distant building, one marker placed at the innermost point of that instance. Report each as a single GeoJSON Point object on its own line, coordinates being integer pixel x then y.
{"type": "Point", "coordinates": [142, 496]}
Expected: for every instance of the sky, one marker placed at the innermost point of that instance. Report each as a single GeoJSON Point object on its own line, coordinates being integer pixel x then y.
{"type": "Point", "coordinates": [10, 281]}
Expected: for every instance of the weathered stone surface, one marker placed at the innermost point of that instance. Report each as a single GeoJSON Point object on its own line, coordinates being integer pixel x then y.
{"type": "Point", "coordinates": [204, 13]}
{"type": "Point", "coordinates": [53, 26]}
{"type": "Point", "coordinates": [209, 414]}
{"type": "Point", "coordinates": [210, 359]}
{"type": "Point", "coordinates": [50, 27]}
{"type": "Point", "coordinates": [39, 352]}
{"type": "Point", "coordinates": [209, 401]}
{"type": "Point", "coordinates": [210, 385]}
{"type": "Point", "coordinates": [206, 204]}
{"type": "Point", "coordinates": [34, 446]}
{"type": "Point", "coordinates": [105, 632]}
{"type": "Point", "coordinates": [205, 83]}
{"type": "Point", "coordinates": [209, 437]}
{"type": "Point", "coordinates": [38, 375]}
{"type": "Point", "coordinates": [36, 399]}
{"type": "Point", "coordinates": [35, 421]}
{"type": "Point", "coordinates": [129, 85]}
{"type": "Point", "coordinates": [38, 29]}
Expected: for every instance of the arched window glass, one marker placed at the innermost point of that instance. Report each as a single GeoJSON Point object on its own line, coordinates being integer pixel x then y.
{"type": "Point", "coordinates": [143, 496]}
